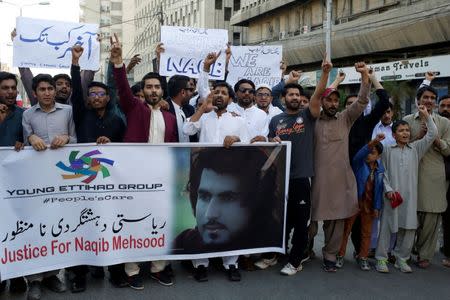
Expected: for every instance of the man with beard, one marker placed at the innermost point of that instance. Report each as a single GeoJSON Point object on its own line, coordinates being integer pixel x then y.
{"type": "Point", "coordinates": [444, 111]}
{"type": "Point", "coordinates": [63, 82]}
{"type": "Point", "coordinates": [257, 121]}
{"type": "Point", "coordinates": [264, 101]}
{"type": "Point", "coordinates": [181, 89]}
{"type": "Point", "coordinates": [234, 200]}
{"type": "Point", "coordinates": [11, 134]}
{"type": "Point", "coordinates": [216, 125]}
{"type": "Point", "coordinates": [297, 126]}
{"type": "Point", "coordinates": [332, 168]}
{"type": "Point", "coordinates": [432, 187]}
{"type": "Point", "coordinates": [146, 123]}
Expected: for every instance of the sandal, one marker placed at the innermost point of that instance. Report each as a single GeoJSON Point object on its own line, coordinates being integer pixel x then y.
{"type": "Point", "coordinates": [423, 263]}
{"type": "Point", "coordinates": [329, 266]}
{"type": "Point", "coordinates": [446, 262]}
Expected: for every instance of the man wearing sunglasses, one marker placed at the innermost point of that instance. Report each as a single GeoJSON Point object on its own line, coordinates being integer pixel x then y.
{"type": "Point", "coordinates": [256, 119]}
{"type": "Point", "coordinates": [97, 122]}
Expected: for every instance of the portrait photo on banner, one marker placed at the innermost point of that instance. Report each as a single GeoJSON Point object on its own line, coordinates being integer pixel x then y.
{"type": "Point", "coordinates": [230, 199]}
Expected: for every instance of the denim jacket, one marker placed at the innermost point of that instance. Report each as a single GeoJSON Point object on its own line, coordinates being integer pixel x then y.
{"type": "Point", "coordinates": [362, 172]}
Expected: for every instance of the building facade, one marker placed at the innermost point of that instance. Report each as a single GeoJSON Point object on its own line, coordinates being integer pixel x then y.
{"type": "Point", "coordinates": [109, 14]}
{"type": "Point", "coordinates": [376, 31]}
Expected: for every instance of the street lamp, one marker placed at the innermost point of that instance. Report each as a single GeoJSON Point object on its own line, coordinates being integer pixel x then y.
{"type": "Point", "coordinates": [22, 6]}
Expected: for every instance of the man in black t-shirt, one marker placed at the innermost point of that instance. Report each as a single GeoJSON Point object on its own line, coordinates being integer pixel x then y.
{"type": "Point", "coordinates": [297, 125]}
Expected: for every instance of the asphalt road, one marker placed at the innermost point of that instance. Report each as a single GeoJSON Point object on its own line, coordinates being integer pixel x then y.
{"type": "Point", "coordinates": [312, 283]}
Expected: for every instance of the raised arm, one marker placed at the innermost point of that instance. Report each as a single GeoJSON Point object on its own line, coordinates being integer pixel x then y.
{"type": "Point", "coordinates": [314, 104]}
{"type": "Point", "coordinates": [381, 106]}
{"type": "Point", "coordinates": [424, 143]}
{"type": "Point", "coordinates": [355, 110]}
{"type": "Point", "coordinates": [429, 77]}
{"type": "Point", "coordinates": [127, 100]}
{"type": "Point", "coordinates": [338, 80]}
{"type": "Point", "coordinates": [78, 104]}
{"type": "Point", "coordinates": [202, 84]}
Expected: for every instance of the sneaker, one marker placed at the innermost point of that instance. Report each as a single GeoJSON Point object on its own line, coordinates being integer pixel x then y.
{"type": "Point", "coordinates": [233, 273]}
{"type": "Point", "coordinates": [339, 261]}
{"type": "Point", "coordinates": [78, 284]}
{"type": "Point", "coordinates": [364, 264]}
{"type": "Point", "coordinates": [403, 266]}
{"type": "Point", "coordinates": [35, 291]}
{"type": "Point", "coordinates": [18, 285]}
{"type": "Point", "coordinates": [201, 274]}
{"type": "Point", "coordinates": [169, 271]}
{"type": "Point", "coordinates": [264, 263]}
{"type": "Point", "coordinates": [289, 269]}
{"type": "Point", "coordinates": [54, 284]}
{"type": "Point", "coordinates": [162, 277]}
{"type": "Point", "coordinates": [135, 282]}
{"type": "Point", "coordinates": [305, 258]}
{"type": "Point", "coordinates": [381, 266]}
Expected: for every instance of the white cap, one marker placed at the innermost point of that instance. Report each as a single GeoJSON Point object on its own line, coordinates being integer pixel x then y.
{"type": "Point", "coordinates": [264, 86]}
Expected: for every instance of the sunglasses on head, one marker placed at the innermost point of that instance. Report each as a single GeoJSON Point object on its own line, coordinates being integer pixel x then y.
{"type": "Point", "coordinates": [244, 90]}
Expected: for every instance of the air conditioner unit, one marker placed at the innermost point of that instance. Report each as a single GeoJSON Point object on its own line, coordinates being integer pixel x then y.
{"type": "Point", "coordinates": [343, 20]}
{"type": "Point", "coordinates": [282, 35]}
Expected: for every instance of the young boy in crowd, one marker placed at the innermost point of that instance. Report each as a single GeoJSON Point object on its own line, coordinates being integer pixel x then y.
{"type": "Point", "coordinates": [369, 179]}
{"type": "Point", "coordinates": [401, 162]}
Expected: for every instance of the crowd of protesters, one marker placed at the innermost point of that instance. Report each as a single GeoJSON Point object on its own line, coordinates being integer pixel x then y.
{"type": "Point", "coordinates": [381, 181]}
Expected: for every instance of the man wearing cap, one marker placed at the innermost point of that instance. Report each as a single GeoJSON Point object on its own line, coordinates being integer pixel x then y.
{"type": "Point", "coordinates": [332, 168]}
{"type": "Point", "coordinates": [264, 101]}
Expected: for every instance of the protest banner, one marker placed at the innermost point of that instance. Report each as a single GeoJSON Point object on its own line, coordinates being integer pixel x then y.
{"type": "Point", "coordinates": [407, 69]}
{"type": "Point", "coordinates": [186, 47]}
{"type": "Point", "coordinates": [107, 204]}
{"type": "Point", "coordinates": [260, 64]}
{"type": "Point", "coordinates": [48, 44]}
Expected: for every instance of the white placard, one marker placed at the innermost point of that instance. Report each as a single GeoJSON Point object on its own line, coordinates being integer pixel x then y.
{"type": "Point", "coordinates": [186, 47]}
{"type": "Point", "coordinates": [48, 44]}
{"type": "Point", "coordinates": [260, 64]}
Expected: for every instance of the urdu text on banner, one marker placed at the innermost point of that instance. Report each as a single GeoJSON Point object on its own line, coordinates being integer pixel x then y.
{"type": "Point", "coordinates": [108, 204]}
{"type": "Point", "coordinates": [48, 44]}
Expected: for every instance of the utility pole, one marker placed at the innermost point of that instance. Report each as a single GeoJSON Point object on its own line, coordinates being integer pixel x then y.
{"type": "Point", "coordinates": [328, 28]}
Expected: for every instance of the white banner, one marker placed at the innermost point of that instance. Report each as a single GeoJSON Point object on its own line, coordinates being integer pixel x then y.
{"type": "Point", "coordinates": [47, 44]}
{"type": "Point", "coordinates": [185, 49]}
{"type": "Point", "coordinates": [407, 69]}
{"type": "Point", "coordinates": [260, 64]}
{"type": "Point", "coordinates": [104, 205]}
